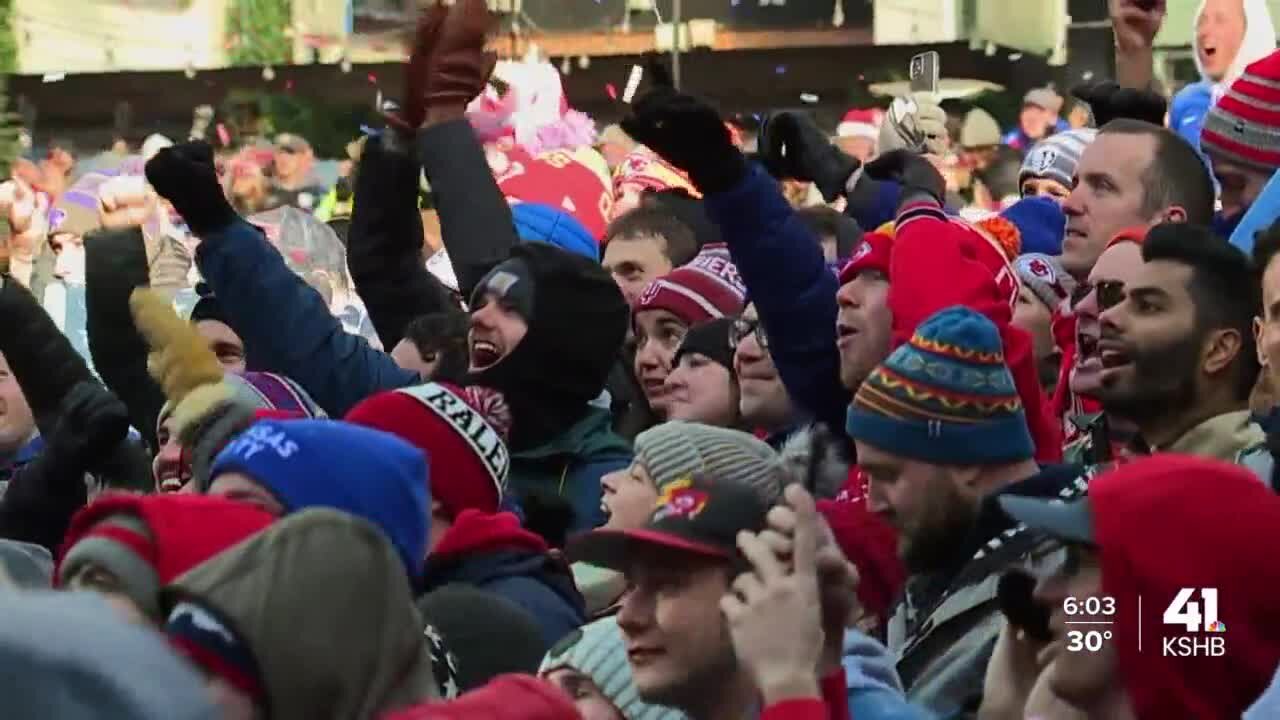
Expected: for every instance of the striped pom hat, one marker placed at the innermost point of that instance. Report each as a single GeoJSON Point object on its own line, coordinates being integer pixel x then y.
{"type": "Point", "coordinates": [1056, 157]}
{"type": "Point", "coordinates": [945, 397]}
{"type": "Point", "coordinates": [597, 651]}
{"type": "Point", "coordinates": [1244, 126]}
{"type": "Point", "coordinates": [705, 288]}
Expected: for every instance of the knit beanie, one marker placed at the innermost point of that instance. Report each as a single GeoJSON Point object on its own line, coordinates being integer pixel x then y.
{"type": "Point", "coordinates": [577, 325]}
{"type": "Point", "coordinates": [462, 431]}
{"type": "Point", "coordinates": [711, 340]}
{"type": "Point", "coordinates": [1041, 224]}
{"type": "Point", "coordinates": [1045, 276]}
{"type": "Point", "coordinates": [705, 288]}
{"type": "Point", "coordinates": [487, 634]}
{"type": "Point", "coordinates": [1244, 125]}
{"type": "Point", "coordinates": [536, 222]}
{"type": "Point", "coordinates": [873, 253]}
{"type": "Point", "coordinates": [147, 540]}
{"type": "Point", "coordinates": [945, 397]}
{"type": "Point", "coordinates": [325, 463]}
{"type": "Point", "coordinates": [263, 391]}
{"type": "Point", "coordinates": [598, 651]}
{"type": "Point", "coordinates": [676, 450]}
{"type": "Point", "coordinates": [1055, 157]}
{"type": "Point", "coordinates": [979, 130]}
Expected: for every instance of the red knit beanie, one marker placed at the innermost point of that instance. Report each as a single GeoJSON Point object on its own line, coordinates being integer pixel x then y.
{"type": "Point", "coordinates": [148, 540]}
{"type": "Point", "coordinates": [462, 430]}
{"type": "Point", "coordinates": [706, 288]}
{"type": "Point", "coordinates": [872, 253]}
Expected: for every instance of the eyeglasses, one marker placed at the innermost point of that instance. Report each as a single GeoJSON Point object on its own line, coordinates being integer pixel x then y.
{"type": "Point", "coordinates": [1110, 294]}
{"type": "Point", "coordinates": [742, 327]}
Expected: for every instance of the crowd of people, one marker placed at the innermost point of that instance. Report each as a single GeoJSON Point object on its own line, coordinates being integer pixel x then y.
{"type": "Point", "coordinates": [690, 417]}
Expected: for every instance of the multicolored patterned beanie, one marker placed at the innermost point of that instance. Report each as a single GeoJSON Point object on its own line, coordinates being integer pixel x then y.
{"type": "Point", "coordinates": [945, 397]}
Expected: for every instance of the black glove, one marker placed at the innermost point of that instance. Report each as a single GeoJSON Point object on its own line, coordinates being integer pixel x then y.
{"type": "Point", "coordinates": [91, 423]}
{"type": "Point", "coordinates": [792, 146]}
{"type": "Point", "coordinates": [689, 134]}
{"type": "Point", "coordinates": [1109, 101]}
{"type": "Point", "coordinates": [913, 172]}
{"type": "Point", "coordinates": [184, 175]}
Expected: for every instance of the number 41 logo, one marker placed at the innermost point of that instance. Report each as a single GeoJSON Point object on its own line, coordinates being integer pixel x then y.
{"type": "Point", "coordinates": [1185, 611]}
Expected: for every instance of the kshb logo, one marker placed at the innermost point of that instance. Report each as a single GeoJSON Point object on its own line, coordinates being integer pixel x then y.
{"type": "Point", "coordinates": [1195, 617]}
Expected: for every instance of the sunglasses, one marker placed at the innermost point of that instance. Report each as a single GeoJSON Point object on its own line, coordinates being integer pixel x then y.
{"type": "Point", "coordinates": [742, 327]}
{"type": "Point", "coordinates": [1110, 294]}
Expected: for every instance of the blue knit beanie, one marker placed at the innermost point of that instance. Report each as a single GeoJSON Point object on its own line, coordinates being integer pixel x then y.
{"type": "Point", "coordinates": [945, 397]}
{"type": "Point", "coordinates": [1040, 222]}
{"type": "Point", "coordinates": [326, 463]}
{"type": "Point", "coordinates": [543, 223]}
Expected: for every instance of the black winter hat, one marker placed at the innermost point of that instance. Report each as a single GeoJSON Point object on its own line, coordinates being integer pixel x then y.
{"type": "Point", "coordinates": [711, 339]}
{"type": "Point", "coordinates": [577, 321]}
{"type": "Point", "coordinates": [486, 634]}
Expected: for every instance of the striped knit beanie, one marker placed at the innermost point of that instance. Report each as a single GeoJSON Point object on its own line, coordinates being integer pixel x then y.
{"type": "Point", "coordinates": [945, 397]}
{"type": "Point", "coordinates": [1244, 125]}
{"type": "Point", "coordinates": [705, 288]}
{"type": "Point", "coordinates": [1055, 157]}
{"type": "Point", "coordinates": [675, 450]}
{"type": "Point", "coordinates": [597, 651]}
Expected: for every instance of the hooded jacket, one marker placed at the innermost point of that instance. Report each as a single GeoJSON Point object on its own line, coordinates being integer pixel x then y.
{"type": "Point", "coordinates": [1190, 105]}
{"type": "Point", "coordinates": [577, 323]}
{"type": "Point", "coordinates": [69, 656]}
{"type": "Point", "coordinates": [322, 603]}
{"type": "Point", "coordinates": [1156, 535]}
{"type": "Point", "coordinates": [493, 553]}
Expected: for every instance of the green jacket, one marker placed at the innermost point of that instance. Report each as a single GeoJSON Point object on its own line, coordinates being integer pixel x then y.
{"type": "Point", "coordinates": [571, 465]}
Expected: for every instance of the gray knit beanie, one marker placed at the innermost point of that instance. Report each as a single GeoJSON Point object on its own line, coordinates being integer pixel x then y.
{"type": "Point", "coordinates": [597, 651]}
{"type": "Point", "coordinates": [1056, 157]}
{"type": "Point", "coordinates": [675, 450]}
{"type": "Point", "coordinates": [1045, 276]}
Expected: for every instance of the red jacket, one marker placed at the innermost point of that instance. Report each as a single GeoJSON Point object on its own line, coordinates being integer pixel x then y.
{"type": "Point", "coordinates": [939, 262]}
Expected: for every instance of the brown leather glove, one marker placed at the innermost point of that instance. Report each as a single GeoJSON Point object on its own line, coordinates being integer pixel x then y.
{"type": "Point", "coordinates": [459, 65]}
{"type": "Point", "coordinates": [414, 102]}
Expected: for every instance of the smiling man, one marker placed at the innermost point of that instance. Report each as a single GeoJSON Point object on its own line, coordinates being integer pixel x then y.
{"type": "Point", "coordinates": [1177, 356]}
{"type": "Point", "coordinates": [546, 326]}
{"type": "Point", "coordinates": [678, 566]}
{"type": "Point", "coordinates": [1133, 173]}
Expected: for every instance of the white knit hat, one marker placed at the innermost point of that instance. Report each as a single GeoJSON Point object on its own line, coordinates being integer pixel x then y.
{"type": "Point", "coordinates": [597, 651]}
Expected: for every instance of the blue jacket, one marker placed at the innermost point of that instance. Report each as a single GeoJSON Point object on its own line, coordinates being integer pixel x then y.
{"type": "Point", "coordinates": [492, 552]}
{"type": "Point", "coordinates": [781, 264]}
{"type": "Point", "coordinates": [872, 684]}
{"type": "Point", "coordinates": [286, 326]}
